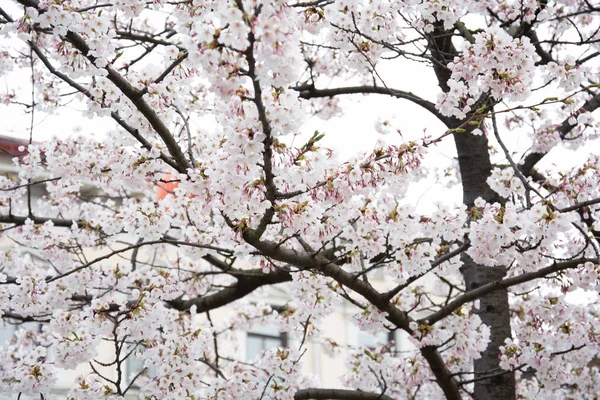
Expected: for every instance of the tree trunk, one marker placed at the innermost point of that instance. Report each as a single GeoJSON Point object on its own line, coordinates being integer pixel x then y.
{"type": "Point", "coordinates": [475, 167]}
{"type": "Point", "coordinates": [495, 313]}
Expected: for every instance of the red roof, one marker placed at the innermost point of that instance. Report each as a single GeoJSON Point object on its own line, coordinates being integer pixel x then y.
{"type": "Point", "coordinates": [9, 147]}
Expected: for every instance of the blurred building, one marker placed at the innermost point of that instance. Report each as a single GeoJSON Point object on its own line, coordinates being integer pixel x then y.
{"type": "Point", "coordinates": [339, 326]}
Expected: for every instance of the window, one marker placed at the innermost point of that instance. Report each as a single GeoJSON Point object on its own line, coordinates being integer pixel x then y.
{"type": "Point", "coordinates": [264, 337]}
{"type": "Point", "coordinates": [7, 330]}
{"type": "Point", "coordinates": [6, 333]}
{"type": "Point", "coordinates": [133, 366]}
{"type": "Point", "coordinates": [372, 340]}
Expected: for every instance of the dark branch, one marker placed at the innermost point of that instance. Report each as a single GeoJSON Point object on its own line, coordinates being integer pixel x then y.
{"type": "Point", "coordinates": [310, 92]}
{"type": "Point", "coordinates": [563, 129]}
{"type": "Point", "coordinates": [501, 284]}
{"type": "Point", "coordinates": [338, 394]}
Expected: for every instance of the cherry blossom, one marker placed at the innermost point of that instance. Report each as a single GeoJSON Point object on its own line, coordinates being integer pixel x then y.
{"type": "Point", "coordinates": [204, 196]}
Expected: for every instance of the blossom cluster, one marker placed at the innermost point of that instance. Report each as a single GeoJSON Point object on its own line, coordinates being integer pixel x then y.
{"type": "Point", "coordinates": [504, 234]}
{"type": "Point", "coordinates": [548, 339]}
{"type": "Point", "coordinates": [496, 63]}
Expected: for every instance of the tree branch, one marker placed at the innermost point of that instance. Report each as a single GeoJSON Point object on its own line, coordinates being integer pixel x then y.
{"type": "Point", "coordinates": [310, 92]}
{"type": "Point", "coordinates": [132, 131]}
{"type": "Point", "coordinates": [433, 264]}
{"type": "Point", "coordinates": [243, 287]}
{"type": "Point", "coordinates": [338, 394]}
{"type": "Point", "coordinates": [19, 221]}
{"type": "Point", "coordinates": [565, 127]}
{"type": "Point", "coordinates": [474, 294]}
{"type": "Point", "coordinates": [134, 95]}
{"type": "Point", "coordinates": [399, 318]}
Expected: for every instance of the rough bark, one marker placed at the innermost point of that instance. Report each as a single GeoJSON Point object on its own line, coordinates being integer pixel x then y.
{"type": "Point", "coordinates": [475, 167]}
{"type": "Point", "coordinates": [494, 311]}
